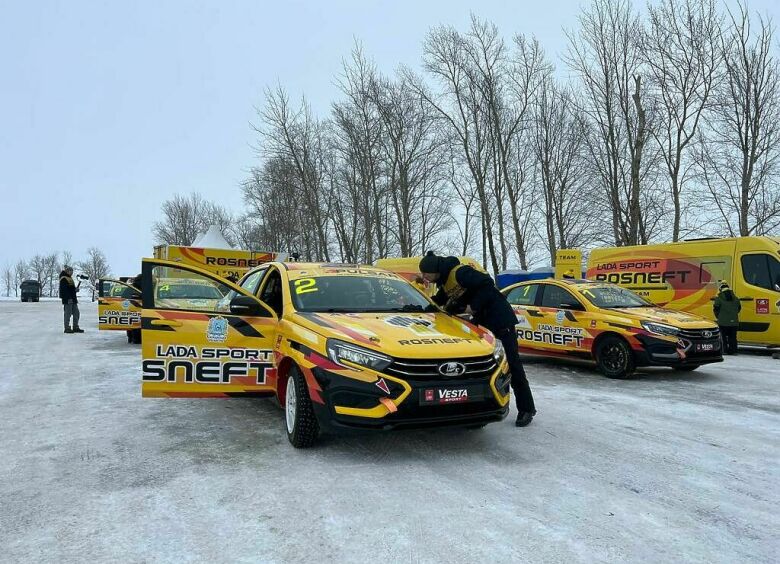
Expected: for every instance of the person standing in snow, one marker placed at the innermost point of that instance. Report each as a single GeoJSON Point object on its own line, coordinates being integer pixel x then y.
{"type": "Point", "coordinates": [463, 288]}
{"type": "Point", "coordinates": [727, 307]}
{"type": "Point", "coordinates": [70, 301]}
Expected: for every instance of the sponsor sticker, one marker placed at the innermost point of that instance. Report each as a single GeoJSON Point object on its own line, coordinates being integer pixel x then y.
{"type": "Point", "coordinates": [217, 330]}
{"type": "Point", "coordinates": [522, 321]}
{"type": "Point", "coordinates": [382, 385]}
{"type": "Point", "coordinates": [560, 316]}
{"type": "Point", "coordinates": [762, 305]}
{"type": "Point", "coordinates": [126, 304]}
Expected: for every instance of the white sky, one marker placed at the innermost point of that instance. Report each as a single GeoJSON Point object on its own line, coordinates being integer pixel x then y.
{"type": "Point", "coordinates": [107, 110]}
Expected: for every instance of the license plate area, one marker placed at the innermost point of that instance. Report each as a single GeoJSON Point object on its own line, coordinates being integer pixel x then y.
{"type": "Point", "coordinates": [705, 347]}
{"type": "Point", "coordinates": [445, 395]}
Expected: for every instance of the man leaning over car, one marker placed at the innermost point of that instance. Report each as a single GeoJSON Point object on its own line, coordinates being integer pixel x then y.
{"type": "Point", "coordinates": [461, 287]}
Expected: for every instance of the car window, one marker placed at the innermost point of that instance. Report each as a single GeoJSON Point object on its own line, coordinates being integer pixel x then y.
{"type": "Point", "coordinates": [523, 295]}
{"type": "Point", "coordinates": [612, 296]}
{"type": "Point", "coordinates": [554, 296]}
{"type": "Point", "coordinates": [271, 292]}
{"type": "Point", "coordinates": [251, 282]}
{"type": "Point", "coordinates": [176, 288]}
{"type": "Point", "coordinates": [761, 270]}
{"type": "Point", "coordinates": [357, 294]}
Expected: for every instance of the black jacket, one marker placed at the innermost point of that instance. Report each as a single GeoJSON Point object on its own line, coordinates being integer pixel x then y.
{"type": "Point", "coordinates": [67, 289]}
{"type": "Point", "coordinates": [489, 306]}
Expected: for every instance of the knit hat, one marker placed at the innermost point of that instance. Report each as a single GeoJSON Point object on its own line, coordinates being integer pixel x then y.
{"type": "Point", "coordinates": [429, 263]}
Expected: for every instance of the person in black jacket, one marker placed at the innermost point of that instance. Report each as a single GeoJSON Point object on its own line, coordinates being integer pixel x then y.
{"type": "Point", "coordinates": [462, 288]}
{"type": "Point", "coordinates": [70, 301]}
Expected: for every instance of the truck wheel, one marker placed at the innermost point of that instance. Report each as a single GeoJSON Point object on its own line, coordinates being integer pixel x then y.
{"type": "Point", "coordinates": [302, 426]}
{"type": "Point", "coordinates": [614, 357]}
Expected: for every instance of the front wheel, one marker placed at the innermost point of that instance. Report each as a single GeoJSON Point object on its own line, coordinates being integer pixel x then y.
{"type": "Point", "coordinates": [614, 358]}
{"type": "Point", "coordinates": [302, 426]}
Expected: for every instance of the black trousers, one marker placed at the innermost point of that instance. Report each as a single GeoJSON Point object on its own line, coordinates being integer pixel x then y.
{"type": "Point", "coordinates": [523, 395]}
{"type": "Point", "coordinates": [729, 336]}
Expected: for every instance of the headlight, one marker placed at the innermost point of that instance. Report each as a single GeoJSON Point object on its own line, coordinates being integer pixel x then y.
{"type": "Point", "coordinates": [498, 352]}
{"type": "Point", "coordinates": [660, 328]}
{"type": "Point", "coordinates": [341, 352]}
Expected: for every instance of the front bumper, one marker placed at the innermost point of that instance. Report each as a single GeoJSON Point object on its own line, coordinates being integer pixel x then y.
{"type": "Point", "coordinates": [354, 404]}
{"type": "Point", "coordinates": [682, 352]}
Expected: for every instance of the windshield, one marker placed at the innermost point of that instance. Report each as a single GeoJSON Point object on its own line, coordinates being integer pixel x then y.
{"type": "Point", "coordinates": [189, 291]}
{"type": "Point", "coordinates": [613, 297]}
{"type": "Point", "coordinates": [356, 294]}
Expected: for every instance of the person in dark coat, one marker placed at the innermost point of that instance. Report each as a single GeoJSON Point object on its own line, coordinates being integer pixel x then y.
{"type": "Point", "coordinates": [70, 302]}
{"type": "Point", "coordinates": [462, 288]}
{"type": "Point", "coordinates": [727, 307]}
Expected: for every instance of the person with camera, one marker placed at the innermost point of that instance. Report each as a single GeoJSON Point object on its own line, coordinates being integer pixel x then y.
{"type": "Point", "coordinates": [69, 296]}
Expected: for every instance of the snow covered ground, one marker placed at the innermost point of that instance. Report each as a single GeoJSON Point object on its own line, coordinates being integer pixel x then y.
{"type": "Point", "coordinates": [666, 467]}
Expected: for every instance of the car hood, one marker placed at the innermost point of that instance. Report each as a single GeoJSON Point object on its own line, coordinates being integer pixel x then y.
{"type": "Point", "coordinates": [670, 317]}
{"type": "Point", "coordinates": [404, 335]}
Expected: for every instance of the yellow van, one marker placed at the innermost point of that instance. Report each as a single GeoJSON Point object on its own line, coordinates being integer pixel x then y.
{"type": "Point", "coordinates": [685, 276]}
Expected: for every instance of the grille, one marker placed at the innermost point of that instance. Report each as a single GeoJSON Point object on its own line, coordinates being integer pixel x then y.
{"type": "Point", "coordinates": [428, 369]}
{"type": "Point", "coordinates": [699, 333]}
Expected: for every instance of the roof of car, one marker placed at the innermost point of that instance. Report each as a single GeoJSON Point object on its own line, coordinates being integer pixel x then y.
{"type": "Point", "coordinates": [315, 269]}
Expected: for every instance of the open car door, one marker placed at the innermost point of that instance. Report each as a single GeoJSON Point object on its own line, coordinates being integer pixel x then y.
{"type": "Point", "coordinates": [202, 335]}
{"type": "Point", "coordinates": [119, 305]}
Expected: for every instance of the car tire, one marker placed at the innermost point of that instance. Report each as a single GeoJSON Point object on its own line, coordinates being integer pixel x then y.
{"type": "Point", "coordinates": [615, 358]}
{"type": "Point", "coordinates": [301, 423]}
{"type": "Point", "coordinates": [688, 367]}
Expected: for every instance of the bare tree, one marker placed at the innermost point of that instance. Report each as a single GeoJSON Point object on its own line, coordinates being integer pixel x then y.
{"type": "Point", "coordinates": [559, 143]}
{"type": "Point", "coordinates": [606, 56]}
{"type": "Point", "coordinates": [67, 259]}
{"type": "Point", "coordinates": [296, 137]}
{"type": "Point", "coordinates": [37, 266]}
{"type": "Point", "coordinates": [738, 153]}
{"type": "Point", "coordinates": [185, 217]}
{"type": "Point", "coordinates": [682, 51]}
{"type": "Point", "coordinates": [95, 267]}
{"type": "Point", "coordinates": [358, 130]}
{"type": "Point", "coordinates": [414, 153]}
{"type": "Point", "coordinates": [21, 273]}
{"type": "Point", "coordinates": [51, 264]}
{"type": "Point", "coordinates": [8, 278]}
{"type": "Point", "coordinates": [459, 104]}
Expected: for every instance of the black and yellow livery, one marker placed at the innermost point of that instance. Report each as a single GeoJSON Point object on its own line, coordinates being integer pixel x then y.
{"type": "Point", "coordinates": [610, 325]}
{"type": "Point", "coordinates": [339, 346]}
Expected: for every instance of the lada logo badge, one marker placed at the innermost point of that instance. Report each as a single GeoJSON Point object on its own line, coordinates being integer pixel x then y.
{"type": "Point", "coordinates": [706, 334]}
{"type": "Point", "coordinates": [452, 369]}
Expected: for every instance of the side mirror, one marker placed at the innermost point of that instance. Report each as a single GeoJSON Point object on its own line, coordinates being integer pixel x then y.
{"type": "Point", "coordinates": [574, 306]}
{"type": "Point", "coordinates": [245, 305]}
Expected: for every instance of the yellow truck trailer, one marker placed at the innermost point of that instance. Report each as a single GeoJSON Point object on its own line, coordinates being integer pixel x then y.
{"type": "Point", "coordinates": [227, 263]}
{"type": "Point", "coordinates": [685, 276]}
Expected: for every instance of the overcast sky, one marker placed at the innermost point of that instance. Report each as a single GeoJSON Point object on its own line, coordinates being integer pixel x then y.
{"type": "Point", "coordinates": [108, 109]}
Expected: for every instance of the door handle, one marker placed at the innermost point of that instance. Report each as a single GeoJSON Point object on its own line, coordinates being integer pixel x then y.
{"type": "Point", "coordinates": [166, 323]}
{"type": "Point", "coordinates": [746, 299]}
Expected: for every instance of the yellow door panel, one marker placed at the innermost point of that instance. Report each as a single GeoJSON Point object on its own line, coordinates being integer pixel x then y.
{"type": "Point", "coordinates": [203, 336]}
{"type": "Point", "coordinates": [119, 306]}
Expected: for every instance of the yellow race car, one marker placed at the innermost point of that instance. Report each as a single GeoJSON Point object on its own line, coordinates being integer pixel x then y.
{"type": "Point", "coordinates": [119, 308]}
{"type": "Point", "coordinates": [602, 322]}
{"type": "Point", "coordinates": [339, 346]}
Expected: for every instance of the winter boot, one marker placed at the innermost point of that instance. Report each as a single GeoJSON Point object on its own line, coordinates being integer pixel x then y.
{"type": "Point", "coordinates": [78, 330]}
{"type": "Point", "coordinates": [524, 418]}
{"type": "Point", "coordinates": [68, 330]}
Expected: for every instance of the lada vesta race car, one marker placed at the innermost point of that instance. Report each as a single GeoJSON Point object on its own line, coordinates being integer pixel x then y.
{"type": "Point", "coordinates": [610, 325]}
{"type": "Point", "coordinates": [339, 346]}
